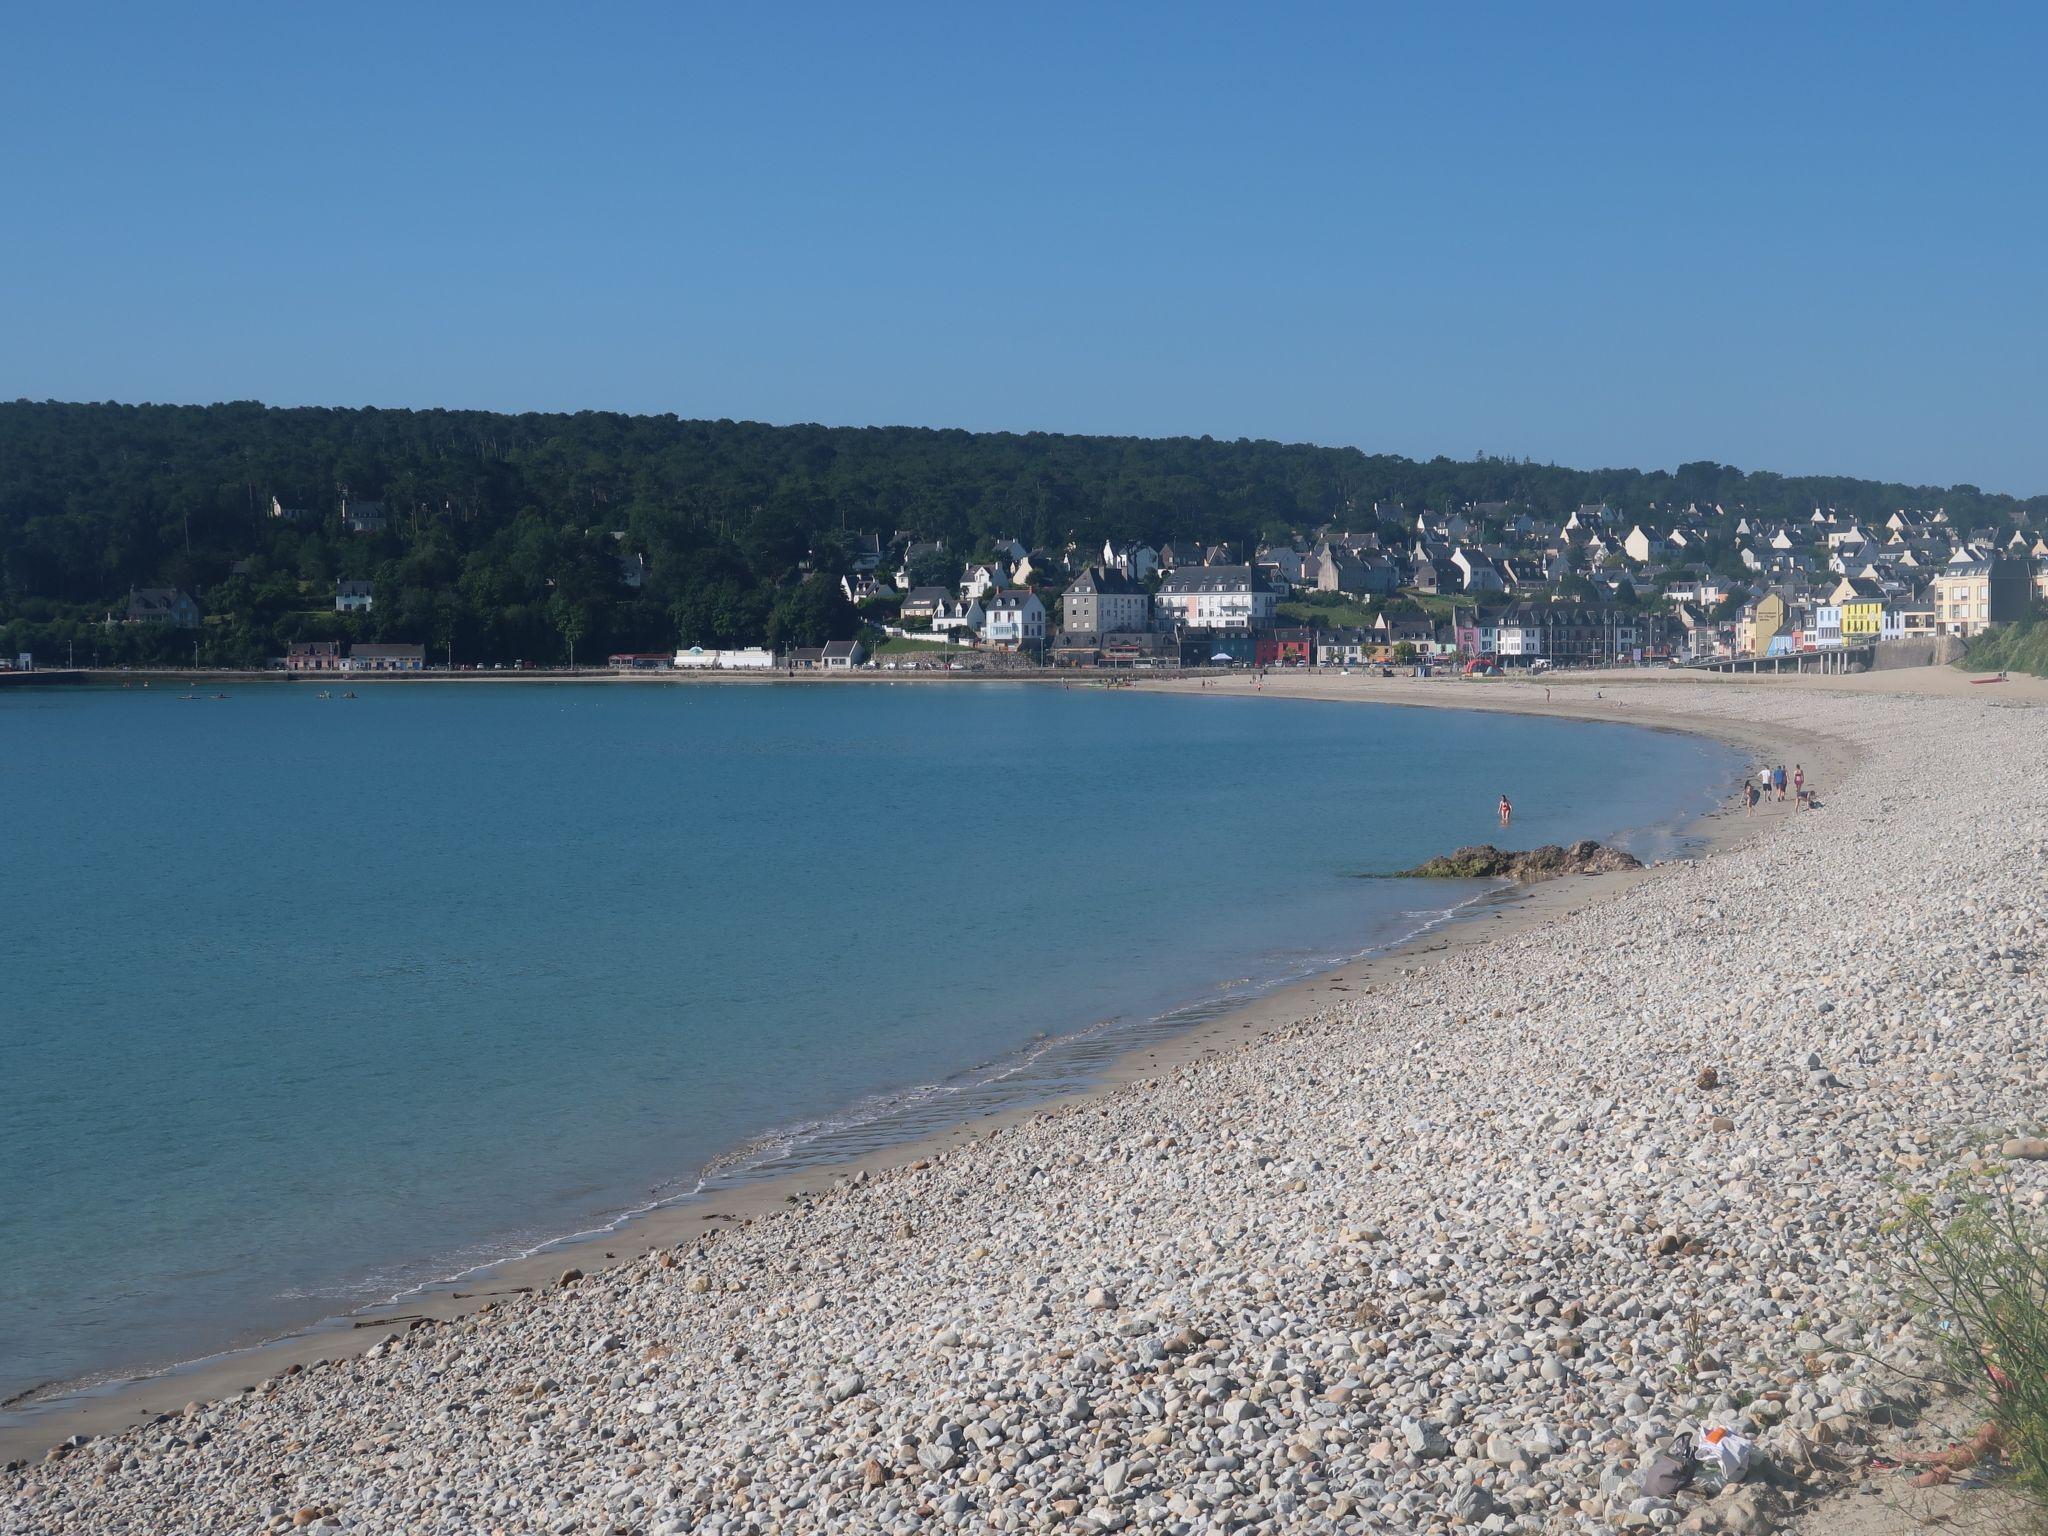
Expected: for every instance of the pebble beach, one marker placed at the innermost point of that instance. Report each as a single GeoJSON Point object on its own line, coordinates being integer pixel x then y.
{"type": "Point", "coordinates": [1457, 1248]}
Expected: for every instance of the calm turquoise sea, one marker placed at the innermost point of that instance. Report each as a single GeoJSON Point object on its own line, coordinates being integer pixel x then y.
{"type": "Point", "coordinates": [305, 1002]}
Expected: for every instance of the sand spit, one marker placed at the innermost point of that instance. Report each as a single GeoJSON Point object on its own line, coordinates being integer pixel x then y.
{"type": "Point", "coordinates": [1455, 1249]}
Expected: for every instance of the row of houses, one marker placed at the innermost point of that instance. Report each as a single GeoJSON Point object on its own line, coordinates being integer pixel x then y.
{"type": "Point", "coordinates": [342, 656]}
{"type": "Point", "coordinates": [834, 656]}
{"type": "Point", "coordinates": [1510, 635]}
{"type": "Point", "coordinates": [1976, 589]}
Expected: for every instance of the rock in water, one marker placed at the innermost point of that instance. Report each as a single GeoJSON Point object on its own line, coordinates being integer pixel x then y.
{"type": "Point", "coordinates": [1486, 862]}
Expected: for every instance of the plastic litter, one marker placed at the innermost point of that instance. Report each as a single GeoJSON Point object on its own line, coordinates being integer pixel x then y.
{"type": "Point", "coordinates": [1725, 1452]}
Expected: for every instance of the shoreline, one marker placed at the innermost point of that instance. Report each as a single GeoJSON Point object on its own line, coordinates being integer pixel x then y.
{"type": "Point", "coordinates": [1461, 1242]}
{"type": "Point", "coordinates": [33, 1422]}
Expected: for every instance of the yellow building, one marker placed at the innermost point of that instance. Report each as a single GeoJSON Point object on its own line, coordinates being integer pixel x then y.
{"type": "Point", "coordinates": [1761, 623]}
{"type": "Point", "coordinates": [1862, 604]}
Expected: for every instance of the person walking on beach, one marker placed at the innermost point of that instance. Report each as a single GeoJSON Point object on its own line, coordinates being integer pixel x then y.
{"type": "Point", "coordinates": [1749, 797]}
{"type": "Point", "coordinates": [1507, 811]}
{"type": "Point", "coordinates": [1798, 783]}
{"type": "Point", "coordinates": [1778, 782]}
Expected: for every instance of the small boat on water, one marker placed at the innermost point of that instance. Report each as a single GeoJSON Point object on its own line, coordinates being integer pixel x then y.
{"type": "Point", "coordinates": [189, 698]}
{"type": "Point", "coordinates": [323, 694]}
{"type": "Point", "coordinates": [220, 695]}
{"type": "Point", "coordinates": [350, 694]}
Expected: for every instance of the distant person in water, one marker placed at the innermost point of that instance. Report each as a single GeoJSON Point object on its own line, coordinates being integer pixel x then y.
{"type": "Point", "coordinates": [1507, 811]}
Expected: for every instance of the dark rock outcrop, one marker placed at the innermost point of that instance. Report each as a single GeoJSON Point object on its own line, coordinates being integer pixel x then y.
{"type": "Point", "coordinates": [1486, 862]}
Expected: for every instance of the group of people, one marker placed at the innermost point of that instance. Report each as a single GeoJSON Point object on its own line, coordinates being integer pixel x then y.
{"type": "Point", "coordinates": [1771, 782]}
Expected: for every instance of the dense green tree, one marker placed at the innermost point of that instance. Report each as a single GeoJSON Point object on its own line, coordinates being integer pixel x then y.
{"type": "Point", "coordinates": [496, 526]}
{"type": "Point", "coordinates": [815, 612]}
{"type": "Point", "coordinates": [933, 568]}
{"type": "Point", "coordinates": [571, 619]}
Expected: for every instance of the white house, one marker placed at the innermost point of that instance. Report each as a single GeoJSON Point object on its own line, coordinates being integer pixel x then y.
{"type": "Point", "coordinates": [1636, 545]}
{"type": "Point", "coordinates": [1518, 632]}
{"type": "Point", "coordinates": [1216, 597]}
{"type": "Point", "coordinates": [843, 655]}
{"type": "Point", "coordinates": [698, 659]}
{"type": "Point", "coordinates": [1480, 573]}
{"type": "Point", "coordinates": [949, 614]}
{"type": "Point", "coordinates": [980, 580]}
{"type": "Point", "coordinates": [1013, 619]}
{"type": "Point", "coordinates": [1135, 561]}
{"type": "Point", "coordinates": [354, 596]}
{"type": "Point", "coordinates": [860, 586]}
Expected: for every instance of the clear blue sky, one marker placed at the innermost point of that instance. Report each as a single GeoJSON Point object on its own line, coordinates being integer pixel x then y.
{"type": "Point", "coordinates": [1629, 235]}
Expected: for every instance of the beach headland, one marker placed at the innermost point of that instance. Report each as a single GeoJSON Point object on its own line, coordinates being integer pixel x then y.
{"type": "Point", "coordinates": [1447, 1231]}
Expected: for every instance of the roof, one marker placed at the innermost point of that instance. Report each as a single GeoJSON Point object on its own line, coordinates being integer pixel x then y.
{"type": "Point", "coordinates": [377, 651]}
{"type": "Point", "coordinates": [1107, 583]}
{"type": "Point", "coordinates": [1012, 599]}
{"type": "Point", "coordinates": [153, 600]}
{"type": "Point", "coordinates": [354, 588]}
{"type": "Point", "coordinates": [841, 647]}
{"type": "Point", "coordinates": [926, 595]}
{"type": "Point", "coordinates": [1212, 578]}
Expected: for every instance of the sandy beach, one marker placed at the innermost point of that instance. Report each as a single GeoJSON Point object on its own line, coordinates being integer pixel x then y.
{"type": "Point", "coordinates": [1450, 1235]}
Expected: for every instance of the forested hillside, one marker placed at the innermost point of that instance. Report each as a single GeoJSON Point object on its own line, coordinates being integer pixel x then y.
{"type": "Point", "coordinates": [504, 534]}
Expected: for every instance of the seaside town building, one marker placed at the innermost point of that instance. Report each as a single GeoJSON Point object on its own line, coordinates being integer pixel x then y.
{"type": "Point", "coordinates": [1013, 620]}
{"type": "Point", "coordinates": [1099, 601]}
{"type": "Point", "coordinates": [386, 658]}
{"type": "Point", "coordinates": [171, 606]}
{"type": "Point", "coordinates": [750, 659]}
{"type": "Point", "coordinates": [314, 656]}
{"type": "Point", "coordinates": [1217, 597]}
{"type": "Point", "coordinates": [1977, 589]}
{"type": "Point", "coordinates": [362, 516]}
